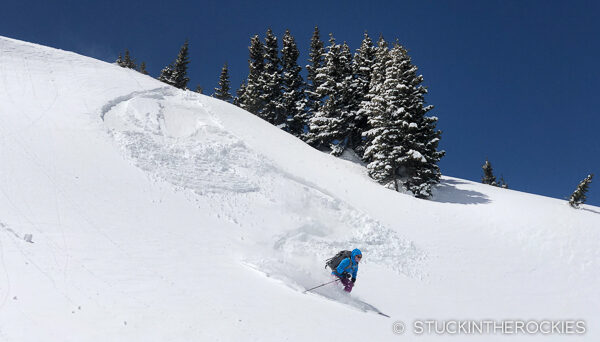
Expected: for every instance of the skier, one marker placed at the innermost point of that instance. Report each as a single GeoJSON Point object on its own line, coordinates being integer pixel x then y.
{"type": "Point", "coordinates": [347, 269]}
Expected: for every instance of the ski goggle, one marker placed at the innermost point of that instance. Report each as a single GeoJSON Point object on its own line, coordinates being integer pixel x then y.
{"type": "Point", "coordinates": [359, 256]}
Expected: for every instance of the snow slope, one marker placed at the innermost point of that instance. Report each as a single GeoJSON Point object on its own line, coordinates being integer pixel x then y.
{"type": "Point", "coordinates": [164, 215]}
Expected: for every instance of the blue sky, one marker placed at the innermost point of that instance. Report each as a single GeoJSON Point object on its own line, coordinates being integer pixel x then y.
{"type": "Point", "coordinates": [514, 81]}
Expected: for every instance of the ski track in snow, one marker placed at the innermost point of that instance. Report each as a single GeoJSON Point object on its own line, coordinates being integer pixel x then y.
{"type": "Point", "coordinates": [332, 292]}
{"type": "Point", "coordinates": [184, 145]}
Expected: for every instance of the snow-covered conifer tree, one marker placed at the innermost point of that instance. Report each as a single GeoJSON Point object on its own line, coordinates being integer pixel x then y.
{"type": "Point", "coordinates": [386, 119]}
{"type": "Point", "coordinates": [179, 74]}
{"type": "Point", "coordinates": [422, 173]}
{"type": "Point", "coordinates": [119, 61]}
{"type": "Point", "coordinates": [250, 98]}
{"type": "Point", "coordinates": [272, 109]}
{"type": "Point", "coordinates": [502, 183]}
{"type": "Point", "coordinates": [488, 174]}
{"type": "Point", "coordinates": [128, 61]}
{"type": "Point", "coordinates": [166, 75]}
{"type": "Point", "coordinates": [143, 68]}
{"type": "Point", "coordinates": [373, 104]}
{"type": "Point", "coordinates": [362, 66]}
{"type": "Point", "coordinates": [294, 101]}
{"type": "Point", "coordinates": [426, 172]}
{"type": "Point", "coordinates": [315, 63]}
{"type": "Point", "coordinates": [239, 94]}
{"type": "Point", "coordinates": [331, 126]}
{"type": "Point", "coordinates": [579, 195]}
{"type": "Point", "coordinates": [222, 92]}
{"type": "Point", "coordinates": [403, 142]}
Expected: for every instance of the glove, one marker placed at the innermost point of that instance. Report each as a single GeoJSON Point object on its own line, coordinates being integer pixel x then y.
{"type": "Point", "coordinates": [345, 275]}
{"type": "Point", "coordinates": [353, 280]}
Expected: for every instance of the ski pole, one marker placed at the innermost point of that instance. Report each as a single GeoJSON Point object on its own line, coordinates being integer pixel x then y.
{"type": "Point", "coordinates": [316, 287]}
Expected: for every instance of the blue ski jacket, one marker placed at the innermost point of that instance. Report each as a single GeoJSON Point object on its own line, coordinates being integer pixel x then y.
{"type": "Point", "coordinates": [348, 265]}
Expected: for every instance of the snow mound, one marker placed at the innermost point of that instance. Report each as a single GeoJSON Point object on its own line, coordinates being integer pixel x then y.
{"type": "Point", "coordinates": [173, 138]}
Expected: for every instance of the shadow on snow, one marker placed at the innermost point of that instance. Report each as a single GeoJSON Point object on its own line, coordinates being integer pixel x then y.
{"type": "Point", "coordinates": [447, 192]}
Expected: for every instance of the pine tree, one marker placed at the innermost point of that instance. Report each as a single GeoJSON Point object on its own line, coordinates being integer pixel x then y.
{"type": "Point", "coordinates": [488, 174]}
{"type": "Point", "coordinates": [332, 125]}
{"type": "Point", "coordinates": [349, 102]}
{"type": "Point", "coordinates": [166, 75]}
{"type": "Point", "coordinates": [362, 66]}
{"type": "Point", "coordinates": [293, 100]}
{"type": "Point", "coordinates": [373, 104]}
{"type": "Point", "coordinates": [579, 195]}
{"type": "Point", "coordinates": [403, 142]}
{"type": "Point", "coordinates": [179, 74]}
{"type": "Point", "coordinates": [222, 92]}
{"type": "Point", "coordinates": [143, 68]}
{"type": "Point", "coordinates": [250, 98]}
{"type": "Point", "coordinates": [503, 183]}
{"type": "Point", "coordinates": [316, 62]}
{"type": "Point", "coordinates": [272, 110]}
{"type": "Point", "coordinates": [119, 61]}
{"type": "Point", "coordinates": [385, 148]}
{"type": "Point", "coordinates": [239, 94]}
{"type": "Point", "coordinates": [199, 89]}
{"type": "Point", "coordinates": [427, 172]}
{"type": "Point", "coordinates": [128, 61]}
{"type": "Point", "coordinates": [318, 135]}
{"type": "Point", "coordinates": [422, 173]}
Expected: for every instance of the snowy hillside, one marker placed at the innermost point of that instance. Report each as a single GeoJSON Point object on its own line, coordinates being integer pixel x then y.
{"type": "Point", "coordinates": [163, 215]}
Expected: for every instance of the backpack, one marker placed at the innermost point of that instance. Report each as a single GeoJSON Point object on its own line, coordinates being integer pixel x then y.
{"type": "Point", "coordinates": [334, 261]}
